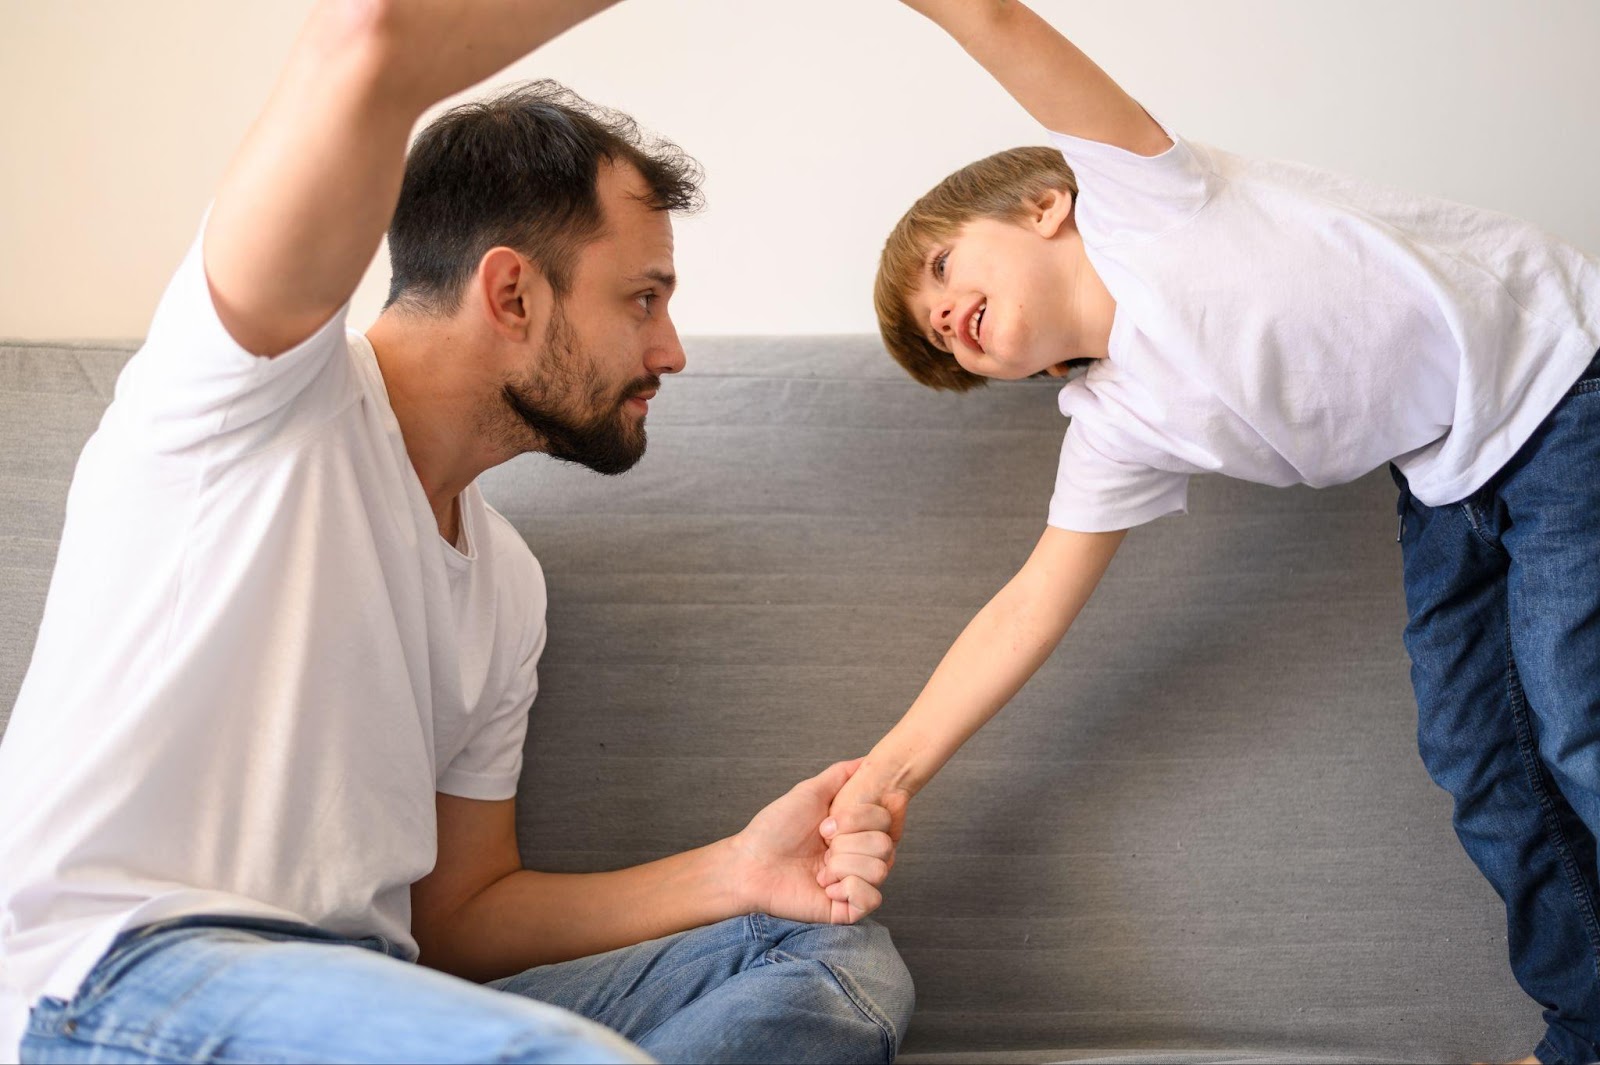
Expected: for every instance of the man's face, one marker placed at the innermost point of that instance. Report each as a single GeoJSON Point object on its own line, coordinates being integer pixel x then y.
{"type": "Point", "coordinates": [609, 340]}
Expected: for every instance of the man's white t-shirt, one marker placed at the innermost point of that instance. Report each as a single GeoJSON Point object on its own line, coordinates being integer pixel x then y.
{"type": "Point", "coordinates": [258, 661]}
{"type": "Point", "coordinates": [1285, 325]}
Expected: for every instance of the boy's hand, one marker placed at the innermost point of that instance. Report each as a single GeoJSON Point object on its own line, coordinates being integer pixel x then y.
{"type": "Point", "coordinates": [867, 787]}
{"type": "Point", "coordinates": [781, 854]}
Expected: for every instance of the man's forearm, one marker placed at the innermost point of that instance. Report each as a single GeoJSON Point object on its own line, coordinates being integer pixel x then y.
{"type": "Point", "coordinates": [530, 918]}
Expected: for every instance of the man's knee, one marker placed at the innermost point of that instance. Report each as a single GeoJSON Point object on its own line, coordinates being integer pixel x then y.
{"type": "Point", "coordinates": [551, 1034]}
{"type": "Point", "coordinates": [863, 959]}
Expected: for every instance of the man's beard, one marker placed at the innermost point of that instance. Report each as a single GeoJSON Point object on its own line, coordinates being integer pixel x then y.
{"type": "Point", "coordinates": [567, 406]}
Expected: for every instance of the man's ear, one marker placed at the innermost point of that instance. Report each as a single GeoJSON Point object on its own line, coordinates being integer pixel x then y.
{"type": "Point", "coordinates": [515, 297]}
{"type": "Point", "coordinates": [1050, 212]}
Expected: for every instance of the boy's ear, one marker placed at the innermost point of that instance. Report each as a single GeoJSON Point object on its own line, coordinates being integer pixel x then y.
{"type": "Point", "coordinates": [1050, 212]}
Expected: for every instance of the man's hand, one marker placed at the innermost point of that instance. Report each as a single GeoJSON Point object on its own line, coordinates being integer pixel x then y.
{"type": "Point", "coordinates": [782, 855]}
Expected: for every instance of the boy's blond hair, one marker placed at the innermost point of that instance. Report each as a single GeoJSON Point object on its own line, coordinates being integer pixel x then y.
{"type": "Point", "coordinates": [1001, 187]}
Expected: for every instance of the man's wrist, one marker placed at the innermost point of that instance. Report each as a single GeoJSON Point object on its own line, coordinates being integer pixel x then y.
{"type": "Point", "coordinates": [732, 866]}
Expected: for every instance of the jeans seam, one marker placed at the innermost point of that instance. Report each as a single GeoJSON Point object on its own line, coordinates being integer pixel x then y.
{"type": "Point", "coordinates": [1583, 388]}
{"type": "Point", "coordinates": [1531, 765]}
{"type": "Point", "coordinates": [858, 998]}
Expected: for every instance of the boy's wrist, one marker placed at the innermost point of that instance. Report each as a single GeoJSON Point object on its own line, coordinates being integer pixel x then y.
{"type": "Point", "coordinates": [892, 768]}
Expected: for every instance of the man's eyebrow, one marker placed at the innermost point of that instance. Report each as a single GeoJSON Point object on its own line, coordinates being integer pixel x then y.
{"type": "Point", "coordinates": [668, 281]}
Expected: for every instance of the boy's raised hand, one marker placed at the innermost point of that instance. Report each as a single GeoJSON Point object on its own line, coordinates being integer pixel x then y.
{"type": "Point", "coordinates": [1054, 82]}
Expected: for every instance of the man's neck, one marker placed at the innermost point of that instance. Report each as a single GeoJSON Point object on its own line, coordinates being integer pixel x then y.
{"type": "Point", "coordinates": [427, 374]}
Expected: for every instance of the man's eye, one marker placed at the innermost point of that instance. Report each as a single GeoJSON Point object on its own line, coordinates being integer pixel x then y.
{"type": "Point", "coordinates": [646, 300]}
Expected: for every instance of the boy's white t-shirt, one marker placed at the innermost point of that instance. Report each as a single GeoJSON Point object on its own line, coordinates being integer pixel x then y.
{"type": "Point", "coordinates": [1285, 325]}
{"type": "Point", "coordinates": [258, 661]}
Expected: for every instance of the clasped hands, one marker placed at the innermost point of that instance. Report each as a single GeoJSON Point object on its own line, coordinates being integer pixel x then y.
{"type": "Point", "coordinates": [820, 852]}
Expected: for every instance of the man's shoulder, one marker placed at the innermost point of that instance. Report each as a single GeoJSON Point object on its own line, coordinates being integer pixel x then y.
{"type": "Point", "coordinates": [513, 556]}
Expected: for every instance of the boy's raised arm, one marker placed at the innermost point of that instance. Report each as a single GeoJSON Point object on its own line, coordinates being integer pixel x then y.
{"type": "Point", "coordinates": [1054, 82]}
{"type": "Point", "coordinates": [1001, 647]}
{"type": "Point", "coordinates": [308, 195]}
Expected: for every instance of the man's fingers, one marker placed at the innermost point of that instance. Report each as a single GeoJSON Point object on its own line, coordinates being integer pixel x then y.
{"type": "Point", "coordinates": [853, 898]}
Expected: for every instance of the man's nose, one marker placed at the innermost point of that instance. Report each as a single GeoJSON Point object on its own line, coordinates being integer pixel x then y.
{"type": "Point", "coordinates": [667, 354]}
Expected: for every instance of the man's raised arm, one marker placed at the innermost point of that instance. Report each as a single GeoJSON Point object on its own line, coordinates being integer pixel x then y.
{"type": "Point", "coordinates": [309, 194]}
{"type": "Point", "coordinates": [1054, 82]}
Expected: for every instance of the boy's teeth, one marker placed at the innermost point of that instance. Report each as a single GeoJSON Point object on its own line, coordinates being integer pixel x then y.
{"type": "Point", "coordinates": [977, 319]}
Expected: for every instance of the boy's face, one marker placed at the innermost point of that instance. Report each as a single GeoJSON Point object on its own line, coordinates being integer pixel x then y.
{"type": "Point", "coordinates": [998, 295]}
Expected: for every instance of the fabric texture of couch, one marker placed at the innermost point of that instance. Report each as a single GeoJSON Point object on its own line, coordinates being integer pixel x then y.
{"type": "Point", "coordinates": [1201, 833]}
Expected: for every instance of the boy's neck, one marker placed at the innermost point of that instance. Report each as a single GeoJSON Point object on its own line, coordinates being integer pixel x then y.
{"type": "Point", "coordinates": [1093, 308]}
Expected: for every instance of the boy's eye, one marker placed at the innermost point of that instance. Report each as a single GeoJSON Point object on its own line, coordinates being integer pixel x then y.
{"type": "Point", "coordinates": [938, 264]}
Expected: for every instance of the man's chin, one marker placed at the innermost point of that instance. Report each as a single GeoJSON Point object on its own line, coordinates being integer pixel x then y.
{"type": "Point", "coordinates": [608, 461]}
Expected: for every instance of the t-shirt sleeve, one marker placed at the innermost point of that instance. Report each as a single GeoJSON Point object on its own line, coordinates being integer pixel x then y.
{"type": "Point", "coordinates": [1123, 196]}
{"type": "Point", "coordinates": [192, 383]}
{"type": "Point", "coordinates": [1096, 492]}
{"type": "Point", "coordinates": [489, 766]}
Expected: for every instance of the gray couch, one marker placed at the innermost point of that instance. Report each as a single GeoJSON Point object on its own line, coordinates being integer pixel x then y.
{"type": "Point", "coordinates": [1201, 833]}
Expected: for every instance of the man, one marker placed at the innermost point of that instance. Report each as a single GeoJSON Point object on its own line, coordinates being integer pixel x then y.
{"type": "Point", "coordinates": [266, 750]}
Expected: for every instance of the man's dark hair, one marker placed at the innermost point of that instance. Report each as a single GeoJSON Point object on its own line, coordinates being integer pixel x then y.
{"type": "Point", "coordinates": [518, 169]}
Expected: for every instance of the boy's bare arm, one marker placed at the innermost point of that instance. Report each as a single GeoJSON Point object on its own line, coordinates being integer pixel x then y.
{"type": "Point", "coordinates": [1056, 83]}
{"type": "Point", "coordinates": [309, 194]}
{"type": "Point", "coordinates": [1001, 647]}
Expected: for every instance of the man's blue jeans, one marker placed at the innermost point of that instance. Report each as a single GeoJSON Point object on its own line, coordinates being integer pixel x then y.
{"type": "Point", "coordinates": [1503, 592]}
{"type": "Point", "coordinates": [222, 990]}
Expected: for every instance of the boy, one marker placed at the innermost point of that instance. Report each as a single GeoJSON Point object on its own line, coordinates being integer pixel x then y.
{"type": "Point", "coordinates": [1285, 325]}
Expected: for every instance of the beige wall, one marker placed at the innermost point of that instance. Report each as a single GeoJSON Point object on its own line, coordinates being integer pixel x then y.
{"type": "Point", "coordinates": [817, 121]}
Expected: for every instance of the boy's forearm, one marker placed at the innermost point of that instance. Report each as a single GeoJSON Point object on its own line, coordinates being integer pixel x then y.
{"type": "Point", "coordinates": [1054, 81]}
{"type": "Point", "coordinates": [1001, 647]}
{"type": "Point", "coordinates": [995, 655]}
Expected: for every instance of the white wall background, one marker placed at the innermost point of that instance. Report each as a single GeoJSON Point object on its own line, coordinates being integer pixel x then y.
{"type": "Point", "coordinates": [817, 121]}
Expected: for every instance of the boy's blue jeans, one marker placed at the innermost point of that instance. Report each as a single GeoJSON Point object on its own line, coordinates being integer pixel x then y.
{"type": "Point", "coordinates": [220, 989]}
{"type": "Point", "coordinates": [1503, 592]}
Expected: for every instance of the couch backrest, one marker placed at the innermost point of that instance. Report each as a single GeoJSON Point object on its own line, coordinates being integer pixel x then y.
{"type": "Point", "coordinates": [1201, 827]}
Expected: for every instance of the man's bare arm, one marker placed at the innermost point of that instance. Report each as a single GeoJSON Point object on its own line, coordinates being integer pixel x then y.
{"type": "Point", "coordinates": [1047, 74]}
{"type": "Point", "coordinates": [307, 197]}
{"type": "Point", "coordinates": [480, 915]}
